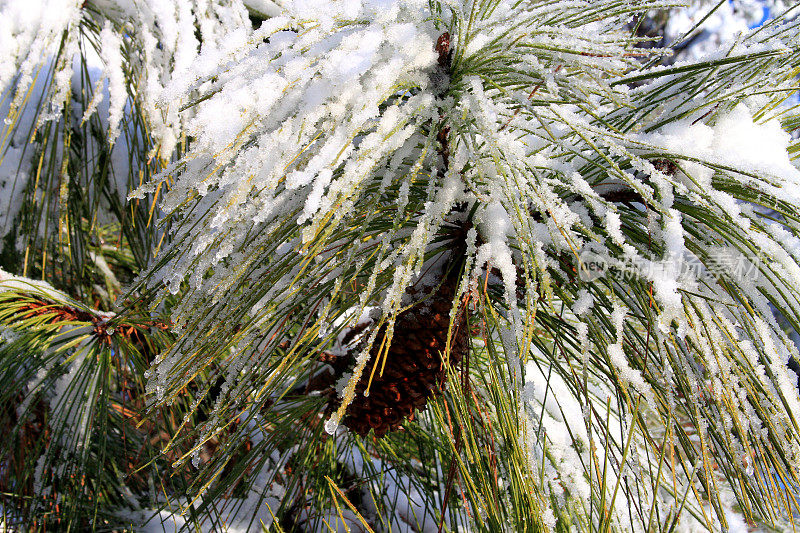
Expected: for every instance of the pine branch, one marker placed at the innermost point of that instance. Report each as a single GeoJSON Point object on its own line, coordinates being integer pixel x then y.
{"type": "Point", "coordinates": [291, 204]}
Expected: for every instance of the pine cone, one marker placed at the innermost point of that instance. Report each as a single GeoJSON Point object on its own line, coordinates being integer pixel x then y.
{"type": "Point", "coordinates": [414, 369]}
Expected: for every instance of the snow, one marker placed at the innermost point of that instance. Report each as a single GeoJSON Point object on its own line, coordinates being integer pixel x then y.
{"type": "Point", "coordinates": [583, 302]}
{"type": "Point", "coordinates": [330, 146]}
{"type": "Point", "coordinates": [20, 283]}
{"type": "Point", "coordinates": [31, 31]}
{"type": "Point", "coordinates": [721, 27]}
{"type": "Point", "coordinates": [35, 81]}
{"type": "Point", "coordinates": [111, 54]}
{"type": "Point", "coordinates": [497, 227]}
{"type": "Point", "coordinates": [333, 422]}
{"type": "Point", "coordinates": [239, 516]}
{"type": "Point", "coordinates": [755, 147]}
{"type": "Point", "coordinates": [735, 142]}
{"type": "Point", "coordinates": [28, 31]}
{"type": "Point", "coordinates": [392, 499]}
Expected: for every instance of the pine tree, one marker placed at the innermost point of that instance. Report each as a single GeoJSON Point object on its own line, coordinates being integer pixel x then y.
{"type": "Point", "coordinates": [401, 265]}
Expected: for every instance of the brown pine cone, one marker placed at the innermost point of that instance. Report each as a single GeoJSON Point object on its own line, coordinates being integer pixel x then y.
{"type": "Point", "coordinates": [414, 369]}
